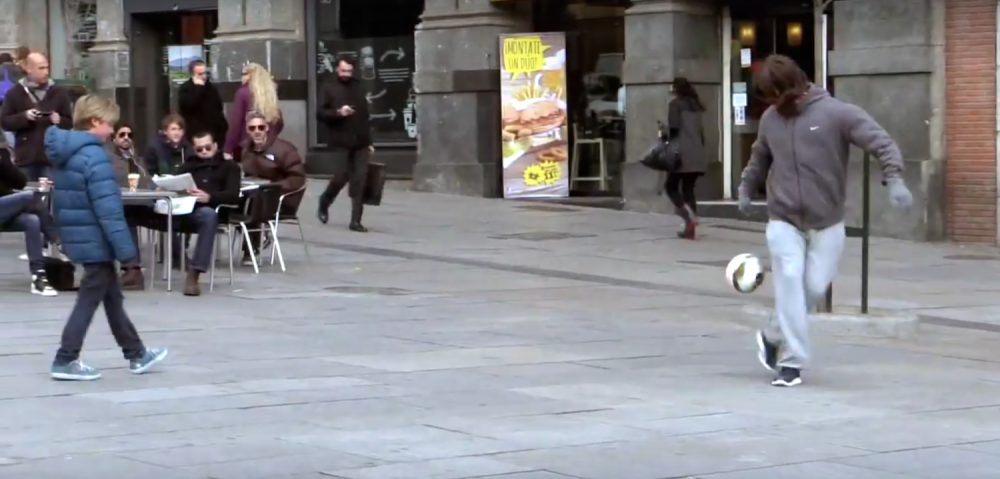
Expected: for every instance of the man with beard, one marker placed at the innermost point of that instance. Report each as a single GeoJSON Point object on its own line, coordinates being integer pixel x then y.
{"type": "Point", "coordinates": [344, 112]}
{"type": "Point", "coordinates": [218, 183]}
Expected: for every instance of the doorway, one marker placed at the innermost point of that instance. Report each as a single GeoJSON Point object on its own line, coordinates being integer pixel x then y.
{"type": "Point", "coordinates": [174, 39]}
{"type": "Point", "coordinates": [753, 36]}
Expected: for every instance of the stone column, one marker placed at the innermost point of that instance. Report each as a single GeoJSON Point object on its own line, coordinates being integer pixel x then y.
{"type": "Point", "coordinates": [270, 33]}
{"type": "Point", "coordinates": [457, 81]}
{"type": "Point", "coordinates": [109, 57]}
{"type": "Point", "coordinates": [666, 39]}
{"type": "Point", "coordinates": [23, 23]}
{"type": "Point", "coordinates": [889, 60]}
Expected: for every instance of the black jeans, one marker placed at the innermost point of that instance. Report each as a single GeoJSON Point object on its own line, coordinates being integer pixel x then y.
{"type": "Point", "coordinates": [350, 167]}
{"type": "Point", "coordinates": [680, 189]}
{"type": "Point", "coordinates": [99, 286]}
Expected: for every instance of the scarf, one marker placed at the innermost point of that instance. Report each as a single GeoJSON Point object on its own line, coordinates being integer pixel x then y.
{"type": "Point", "coordinates": [39, 90]}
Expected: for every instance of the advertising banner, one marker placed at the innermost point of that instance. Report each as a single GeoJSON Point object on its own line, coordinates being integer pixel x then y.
{"type": "Point", "coordinates": [533, 104]}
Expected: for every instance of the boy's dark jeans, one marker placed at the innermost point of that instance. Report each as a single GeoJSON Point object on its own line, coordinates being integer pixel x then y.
{"type": "Point", "coordinates": [99, 286]}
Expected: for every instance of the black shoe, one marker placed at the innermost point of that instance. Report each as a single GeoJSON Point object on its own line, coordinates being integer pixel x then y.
{"type": "Point", "coordinates": [788, 377]}
{"type": "Point", "coordinates": [323, 214]}
{"type": "Point", "coordinates": [767, 352]}
{"type": "Point", "coordinates": [357, 227]}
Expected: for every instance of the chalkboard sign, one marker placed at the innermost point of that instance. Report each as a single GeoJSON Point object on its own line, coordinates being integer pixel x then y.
{"type": "Point", "coordinates": [385, 69]}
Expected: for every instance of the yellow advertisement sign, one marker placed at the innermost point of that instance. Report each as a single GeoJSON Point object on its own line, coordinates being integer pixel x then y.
{"type": "Point", "coordinates": [534, 117]}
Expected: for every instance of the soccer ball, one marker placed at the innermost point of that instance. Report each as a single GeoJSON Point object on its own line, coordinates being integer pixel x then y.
{"type": "Point", "coordinates": [745, 272]}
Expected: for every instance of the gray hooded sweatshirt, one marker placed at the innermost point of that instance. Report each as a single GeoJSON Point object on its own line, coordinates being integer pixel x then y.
{"type": "Point", "coordinates": [804, 159]}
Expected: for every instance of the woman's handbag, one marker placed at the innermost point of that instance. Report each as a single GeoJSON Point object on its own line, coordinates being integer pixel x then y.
{"type": "Point", "coordinates": [665, 155]}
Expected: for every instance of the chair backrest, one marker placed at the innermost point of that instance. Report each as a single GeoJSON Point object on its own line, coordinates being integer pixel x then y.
{"type": "Point", "coordinates": [263, 206]}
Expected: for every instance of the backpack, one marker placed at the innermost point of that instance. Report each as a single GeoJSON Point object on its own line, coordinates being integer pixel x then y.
{"type": "Point", "coordinates": [5, 84]}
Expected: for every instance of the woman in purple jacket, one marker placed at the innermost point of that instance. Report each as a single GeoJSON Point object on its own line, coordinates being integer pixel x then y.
{"type": "Point", "coordinates": [259, 93]}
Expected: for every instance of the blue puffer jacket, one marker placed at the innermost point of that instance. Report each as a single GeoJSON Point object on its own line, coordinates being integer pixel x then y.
{"type": "Point", "coordinates": [87, 199]}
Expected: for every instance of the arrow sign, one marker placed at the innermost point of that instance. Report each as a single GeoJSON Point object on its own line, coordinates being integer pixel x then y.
{"type": "Point", "coordinates": [391, 115]}
{"type": "Point", "coordinates": [370, 97]}
{"type": "Point", "coordinates": [398, 52]}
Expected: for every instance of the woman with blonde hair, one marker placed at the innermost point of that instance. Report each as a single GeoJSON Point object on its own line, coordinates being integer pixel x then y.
{"type": "Point", "coordinates": [258, 93]}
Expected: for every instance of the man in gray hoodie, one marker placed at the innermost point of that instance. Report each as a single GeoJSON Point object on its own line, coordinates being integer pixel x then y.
{"type": "Point", "coordinates": [802, 148]}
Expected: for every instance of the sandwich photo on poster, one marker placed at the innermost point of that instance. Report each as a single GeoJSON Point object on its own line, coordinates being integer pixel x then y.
{"type": "Point", "coordinates": [533, 104]}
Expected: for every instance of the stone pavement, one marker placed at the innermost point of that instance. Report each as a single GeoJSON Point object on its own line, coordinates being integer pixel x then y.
{"type": "Point", "coordinates": [468, 338]}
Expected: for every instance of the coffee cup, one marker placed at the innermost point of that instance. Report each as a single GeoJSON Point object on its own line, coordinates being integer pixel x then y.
{"type": "Point", "coordinates": [133, 181]}
{"type": "Point", "coordinates": [44, 184]}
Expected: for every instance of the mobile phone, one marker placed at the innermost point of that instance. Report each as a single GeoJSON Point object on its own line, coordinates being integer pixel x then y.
{"type": "Point", "coordinates": [45, 113]}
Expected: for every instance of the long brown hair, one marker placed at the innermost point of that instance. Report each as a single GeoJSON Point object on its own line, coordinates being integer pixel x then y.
{"type": "Point", "coordinates": [684, 89]}
{"type": "Point", "coordinates": [782, 82]}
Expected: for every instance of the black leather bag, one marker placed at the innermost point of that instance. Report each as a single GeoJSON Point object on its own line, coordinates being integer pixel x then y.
{"type": "Point", "coordinates": [665, 155]}
{"type": "Point", "coordinates": [61, 274]}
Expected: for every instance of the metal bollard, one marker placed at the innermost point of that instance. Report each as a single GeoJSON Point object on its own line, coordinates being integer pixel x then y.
{"type": "Point", "coordinates": [863, 233]}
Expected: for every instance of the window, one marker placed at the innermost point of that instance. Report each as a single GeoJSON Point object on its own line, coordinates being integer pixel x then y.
{"type": "Point", "coordinates": [379, 35]}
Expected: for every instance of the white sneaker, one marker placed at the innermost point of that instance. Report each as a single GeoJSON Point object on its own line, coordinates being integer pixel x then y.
{"type": "Point", "coordinates": [23, 257]}
{"type": "Point", "coordinates": [40, 285]}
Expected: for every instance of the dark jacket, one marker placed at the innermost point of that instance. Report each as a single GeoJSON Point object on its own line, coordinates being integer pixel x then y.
{"type": "Point", "coordinates": [279, 162]}
{"type": "Point", "coordinates": [87, 201]}
{"type": "Point", "coordinates": [686, 127]}
{"type": "Point", "coordinates": [29, 147]}
{"type": "Point", "coordinates": [237, 134]}
{"type": "Point", "coordinates": [804, 159]}
{"type": "Point", "coordinates": [351, 131]}
{"type": "Point", "coordinates": [218, 177]}
{"type": "Point", "coordinates": [125, 163]}
{"type": "Point", "coordinates": [201, 107]}
{"type": "Point", "coordinates": [12, 179]}
{"type": "Point", "coordinates": [163, 157]}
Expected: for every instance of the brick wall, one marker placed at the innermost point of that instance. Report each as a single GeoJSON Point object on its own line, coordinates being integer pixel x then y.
{"type": "Point", "coordinates": [970, 120]}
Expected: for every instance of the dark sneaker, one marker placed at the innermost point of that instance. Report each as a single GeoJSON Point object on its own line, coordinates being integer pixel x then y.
{"type": "Point", "coordinates": [787, 377]}
{"type": "Point", "coordinates": [133, 280]}
{"type": "Point", "coordinates": [74, 371]}
{"type": "Point", "coordinates": [767, 352]}
{"type": "Point", "coordinates": [40, 285]}
{"type": "Point", "coordinates": [152, 357]}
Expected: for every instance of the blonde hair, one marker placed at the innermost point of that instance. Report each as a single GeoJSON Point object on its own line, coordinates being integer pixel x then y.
{"type": "Point", "coordinates": [264, 90]}
{"type": "Point", "coordinates": [93, 107]}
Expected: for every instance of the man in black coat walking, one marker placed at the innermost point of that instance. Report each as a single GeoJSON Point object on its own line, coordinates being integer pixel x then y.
{"type": "Point", "coordinates": [344, 112]}
{"type": "Point", "coordinates": [200, 104]}
{"type": "Point", "coordinates": [29, 108]}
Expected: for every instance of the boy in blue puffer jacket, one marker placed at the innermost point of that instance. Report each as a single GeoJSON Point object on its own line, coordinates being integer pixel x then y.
{"type": "Point", "coordinates": [88, 208]}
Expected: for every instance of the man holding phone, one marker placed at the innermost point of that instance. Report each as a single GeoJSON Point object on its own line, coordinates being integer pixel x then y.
{"type": "Point", "coordinates": [344, 112]}
{"type": "Point", "coordinates": [29, 108]}
{"type": "Point", "coordinates": [200, 104]}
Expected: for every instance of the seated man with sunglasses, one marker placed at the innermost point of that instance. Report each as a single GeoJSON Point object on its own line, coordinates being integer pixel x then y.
{"type": "Point", "coordinates": [218, 183]}
{"type": "Point", "coordinates": [122, 154]}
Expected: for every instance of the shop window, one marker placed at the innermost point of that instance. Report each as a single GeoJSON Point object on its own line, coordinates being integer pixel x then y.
{"type": "Point", "coordinates": [379, 35]}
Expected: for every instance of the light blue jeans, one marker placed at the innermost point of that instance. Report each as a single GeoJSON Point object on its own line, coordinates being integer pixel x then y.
{"type": "Point", "coordinates": [803, 263]}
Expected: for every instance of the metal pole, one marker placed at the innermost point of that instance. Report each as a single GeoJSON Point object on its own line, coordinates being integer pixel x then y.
{"type": "Point", "coordinates": [865, 223]}
{"type": "Point", "coordinates": [828, 304]}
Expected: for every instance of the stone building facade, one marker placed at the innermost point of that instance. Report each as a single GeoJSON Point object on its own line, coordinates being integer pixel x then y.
{"type": "Point", "coordinates": [925, 69]}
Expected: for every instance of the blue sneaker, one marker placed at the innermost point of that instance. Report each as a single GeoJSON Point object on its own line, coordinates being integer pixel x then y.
{"type": "Point", "coordinates": [75, 371]}
{"type": "Point", "coordinates": [152, 357]}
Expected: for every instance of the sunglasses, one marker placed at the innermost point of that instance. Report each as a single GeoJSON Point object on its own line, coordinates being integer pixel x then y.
{"type": "Point", "coordinates": [257, 128]}
{"type": "Point", "coordinates": [125, 134]}
{"type": "Point", "coordinates": [202, 149]}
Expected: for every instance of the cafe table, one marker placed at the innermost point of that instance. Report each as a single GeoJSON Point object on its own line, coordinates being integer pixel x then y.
{"type": "Point", "coordinates": [149, 198]}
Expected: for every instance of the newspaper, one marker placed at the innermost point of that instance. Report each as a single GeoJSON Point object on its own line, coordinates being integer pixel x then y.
{"type": "Point", "coordinates": [175, 183]}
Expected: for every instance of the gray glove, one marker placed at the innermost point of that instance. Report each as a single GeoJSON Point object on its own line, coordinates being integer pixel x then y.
{"type": "Point", "coordinates": [744, 199]}
{"type": "Point", "coordinates": [899, 196]}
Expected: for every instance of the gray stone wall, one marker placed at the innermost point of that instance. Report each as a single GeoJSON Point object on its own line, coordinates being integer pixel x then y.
{"type": "Point", "coordinates": [889, 59]}
{"type": "Point", "coordinates": [270, 33]}
{"type": "Point", "coordinates": [667, 39]}
{"type": "Point", "coordinates": [457, 81]}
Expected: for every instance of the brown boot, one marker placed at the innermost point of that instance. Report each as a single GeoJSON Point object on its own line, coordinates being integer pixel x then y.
{"type": "Point", "coordinates": [132, 280]}
{"type": "Point", "coordinates": [191, 286]}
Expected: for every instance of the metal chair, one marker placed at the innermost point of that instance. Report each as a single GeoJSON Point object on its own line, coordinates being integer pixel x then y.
{"type": "Point", "coordinates": [292, 219]}
{"type": "Point", "coordinates": [261, 209]}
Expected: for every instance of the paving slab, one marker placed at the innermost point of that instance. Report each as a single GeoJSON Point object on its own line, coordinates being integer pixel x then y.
{"type": "Point", "coordinates": [471, 338]}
